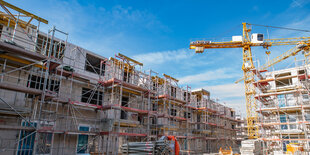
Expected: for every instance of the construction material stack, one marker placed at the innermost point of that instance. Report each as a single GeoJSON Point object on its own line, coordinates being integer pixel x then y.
{"type": "Point", "coordinates": [251, 147]}
{"type": "Point", "coordinates": [162, 146]}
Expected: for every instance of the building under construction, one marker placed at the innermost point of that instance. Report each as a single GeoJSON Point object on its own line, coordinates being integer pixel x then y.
{"type": "Point", "coordinates": [58, 98]}
{"type": "Point", "coordinates": [284, 110]}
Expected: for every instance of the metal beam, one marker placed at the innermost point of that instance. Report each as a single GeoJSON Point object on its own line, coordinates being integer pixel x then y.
{"type": "Point", "coordinates": [134, 61]}
{"type": "Point", "coordinates": [23, 11]}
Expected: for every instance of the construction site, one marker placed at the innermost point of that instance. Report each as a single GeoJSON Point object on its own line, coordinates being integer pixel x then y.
{"type": "Point", "coordinates": [59, 98]}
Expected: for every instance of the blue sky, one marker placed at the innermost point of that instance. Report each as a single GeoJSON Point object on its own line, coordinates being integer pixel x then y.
{"type": "Point", "coordinates": [158, 33]}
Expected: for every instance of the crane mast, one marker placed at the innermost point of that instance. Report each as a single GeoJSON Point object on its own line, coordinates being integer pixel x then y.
{"type": "Point", "coordinates": [248, 67]}
{"type": "Point", "coordinates": [248, 74]}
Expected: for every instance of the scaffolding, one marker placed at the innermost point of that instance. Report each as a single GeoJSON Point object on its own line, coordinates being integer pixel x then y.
{"type": "Point", "coordinates": [58, 98]}
{"type": "Point", "coordinates": [284, 108]}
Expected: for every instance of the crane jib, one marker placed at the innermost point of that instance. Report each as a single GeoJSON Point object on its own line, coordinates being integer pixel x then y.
{"type": "Point", "coordinates": [239, 44]}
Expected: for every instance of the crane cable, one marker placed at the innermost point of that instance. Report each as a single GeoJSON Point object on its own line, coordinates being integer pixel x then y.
{"type": "Point", "coordinates": [280, 27]}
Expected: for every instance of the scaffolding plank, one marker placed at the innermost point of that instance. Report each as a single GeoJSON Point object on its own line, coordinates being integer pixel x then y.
{"type": "Point", "coordinates": [20, 51]}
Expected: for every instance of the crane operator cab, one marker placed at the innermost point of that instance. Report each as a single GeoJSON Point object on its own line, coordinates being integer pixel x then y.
{"type": "Point", "coordinates": [257, 38]}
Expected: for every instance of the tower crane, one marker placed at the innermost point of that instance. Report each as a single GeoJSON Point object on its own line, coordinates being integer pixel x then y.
{"type": "Point", "coordinates": [246, 41]}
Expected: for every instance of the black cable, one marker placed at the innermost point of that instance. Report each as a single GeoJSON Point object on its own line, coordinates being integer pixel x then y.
{"type": "Point", "coordinates": [280, 27]}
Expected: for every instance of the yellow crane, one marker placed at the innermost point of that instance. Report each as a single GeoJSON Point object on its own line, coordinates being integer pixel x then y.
{"type": "Point", "coordinates": [246, 41]}
{"type": "Point", "coordinates": [291, 52]}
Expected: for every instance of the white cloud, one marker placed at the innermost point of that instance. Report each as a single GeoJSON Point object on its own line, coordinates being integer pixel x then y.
{"type": "Point", "coordinates": [230, 94]}
{"type": "Point", "coordinates": [125, 17]}
{"type": "Point", "coordinates": [218, 74]}
{"type": "Point", "coordinates": [226, 90]}
{"type": "Point", "coordinates": [157, 58]}
{"type": "Point", "coordinates": [296, 23]}
{"type": "Point", "coordinates": [255, 8]}
{"type": "Point", "coordinates": [238, 104]}
{"type": "Point", "coordinates": [298, 3]}
{"type": "Point", "coordinates": [97, 27]}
